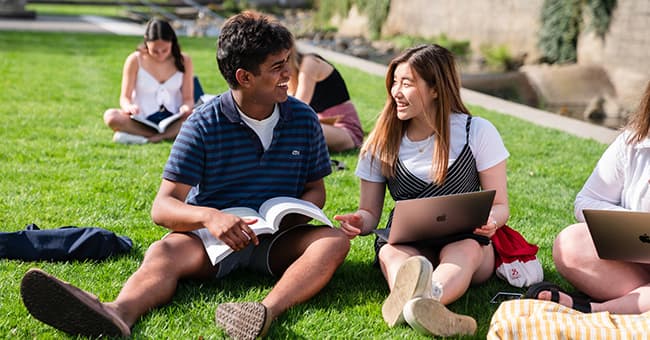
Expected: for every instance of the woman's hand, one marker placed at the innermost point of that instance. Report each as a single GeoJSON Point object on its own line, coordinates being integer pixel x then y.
{"type": "Point", "coordinates": [131, 109]}
{"type": "Point", "coordinates": [351, 224]}
{"type": "Point", "coordinates": [185, 110]}
{"type": "Point", "coordinates": [489, 228]}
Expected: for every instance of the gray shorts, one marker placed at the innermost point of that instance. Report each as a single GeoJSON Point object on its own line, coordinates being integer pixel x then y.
{"type": "Point", "coordinates": [253, 257]}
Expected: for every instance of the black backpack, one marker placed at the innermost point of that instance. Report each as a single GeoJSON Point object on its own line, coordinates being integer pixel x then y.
{"type": "Point", "coordinates": [62, 244]}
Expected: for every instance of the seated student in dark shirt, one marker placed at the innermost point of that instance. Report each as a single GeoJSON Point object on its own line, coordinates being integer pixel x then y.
{"type": "Point", "coordinates": [239, 149]}
{"type": "Point", "coordinates": [317, 82]}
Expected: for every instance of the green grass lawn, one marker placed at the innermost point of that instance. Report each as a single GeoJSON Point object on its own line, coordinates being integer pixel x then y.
{"type": "Point", "coordinates": [59, 167]}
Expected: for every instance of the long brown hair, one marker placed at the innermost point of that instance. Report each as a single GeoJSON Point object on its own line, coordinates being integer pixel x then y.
{"type": "Point", "coordinates": [639, 122]}
{"type": "Point", "coordinates": [160, 29]}
{"type": "Point", "coordinates": [435, 64]}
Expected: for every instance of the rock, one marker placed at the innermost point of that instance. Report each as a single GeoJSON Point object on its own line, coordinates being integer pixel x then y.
{"type": "Point", "coordinates": [360, 51]}
{"type": "Point", "coordinates": [603, 107]}
{"type": "Point", "coordinates": [595, 109]}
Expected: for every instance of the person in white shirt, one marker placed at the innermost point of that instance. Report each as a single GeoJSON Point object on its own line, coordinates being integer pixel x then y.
{"type": "Point", "coordinates": [426, 143]}
{"type": "Point", "coordinates": [155, 77]}
{"type": "Point", "coordinates": [620, 181]}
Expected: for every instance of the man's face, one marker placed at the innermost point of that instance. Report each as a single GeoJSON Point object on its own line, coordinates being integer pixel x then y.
{"type": "Point", "coordinates": [270, 85]}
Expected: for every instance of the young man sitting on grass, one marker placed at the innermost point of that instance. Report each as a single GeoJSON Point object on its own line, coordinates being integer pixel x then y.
{"type": "Point", "coordinates": [241, 148]}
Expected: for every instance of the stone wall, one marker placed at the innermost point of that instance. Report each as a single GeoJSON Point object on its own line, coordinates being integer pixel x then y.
{"type": "Point", "coordinates": [513, 23]}
{"type": "Point", "coordinates": [625, 50]}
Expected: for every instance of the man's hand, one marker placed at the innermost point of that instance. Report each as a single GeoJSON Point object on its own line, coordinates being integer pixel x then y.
{"type": "Point", "coordinates": [232, 230]}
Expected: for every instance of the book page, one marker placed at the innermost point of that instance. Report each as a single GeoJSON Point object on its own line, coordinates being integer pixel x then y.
{"type": "Point", "coordinates": [247, 214]}
{"type": "Point", "coordinates": [329, 120]}
{"type": "Point", "coordinates": [216, 249]}
{"type": "Point", "coordinates": [162, 126]}
{"type": "Point", "coordinates": [140, 118]}
{"type": "Point", "coordinates": [158, 121]}
{"type": "Point", "coordinates": [276, 208]}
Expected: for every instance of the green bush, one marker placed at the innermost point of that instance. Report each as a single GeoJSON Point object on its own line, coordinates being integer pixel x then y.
{"type": "Point", "coordinates": [562, 22]}
{"type": "Point", "coordinates": [497, 57]}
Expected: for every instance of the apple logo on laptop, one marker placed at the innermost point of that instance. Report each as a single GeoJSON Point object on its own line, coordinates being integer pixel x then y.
{"type": "Point", "coordinates": [443, 218]}
{"type": "Point", "coordinates": [644, 238]}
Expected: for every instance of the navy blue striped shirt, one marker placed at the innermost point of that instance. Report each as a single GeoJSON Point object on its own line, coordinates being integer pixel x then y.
{"type": "Point", "coordinates": [223, 159]}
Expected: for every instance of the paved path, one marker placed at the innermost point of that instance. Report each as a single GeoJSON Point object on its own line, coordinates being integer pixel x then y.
{"type": "Point", "coordinates": [543, 118]}
{"type": "Point", "coordinates": [86, 23]}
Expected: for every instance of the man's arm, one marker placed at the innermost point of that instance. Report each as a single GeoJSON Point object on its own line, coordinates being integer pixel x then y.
{"type": "Point", "coordinates": [314, 192]}
{"type": "Point", "coordinates": [170, 211]}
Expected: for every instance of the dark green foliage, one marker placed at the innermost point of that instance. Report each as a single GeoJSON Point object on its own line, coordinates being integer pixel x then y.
{"type": "Point", "coordinates": [562, 21]}
{"type": "Point", "coordinates": [560, 28]}
{"type": "Point", "coordinates": [601, 15]}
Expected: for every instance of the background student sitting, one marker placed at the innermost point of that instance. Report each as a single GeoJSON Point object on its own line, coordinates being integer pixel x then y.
{"type": "Point", "coordinates": [620, 181]}
{"type": "Point", "coordinates": [156, 75]}
{"type": "Point", "coordinates": [317, 82]}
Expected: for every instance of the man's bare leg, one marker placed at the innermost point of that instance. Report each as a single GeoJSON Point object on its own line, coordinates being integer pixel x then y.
{"type": "Point", "coordinates": [310, 258]}
{"type": "Point", "coordinates": [167, 261]}
{"type": "Point", "coordinates": [74, 311]}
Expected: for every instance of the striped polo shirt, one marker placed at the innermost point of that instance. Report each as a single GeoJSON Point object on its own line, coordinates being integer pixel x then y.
{"type": "Point", "coordinates": [223, 159]}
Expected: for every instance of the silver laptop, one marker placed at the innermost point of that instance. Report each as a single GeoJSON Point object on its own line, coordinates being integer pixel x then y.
{"type": "Point", "coordinates": [620, 235]}
{"type": "Point", "coordinates": [434, 217]}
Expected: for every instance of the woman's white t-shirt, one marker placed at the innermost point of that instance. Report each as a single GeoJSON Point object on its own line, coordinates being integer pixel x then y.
{"type": "Point", "coordinates": [620, 180]}
{"type": "Point", "coordinates": [484, 141]}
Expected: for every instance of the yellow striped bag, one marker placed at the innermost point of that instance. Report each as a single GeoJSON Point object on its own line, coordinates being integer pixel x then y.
{"type": "Point", "coordinates": [538, 319]}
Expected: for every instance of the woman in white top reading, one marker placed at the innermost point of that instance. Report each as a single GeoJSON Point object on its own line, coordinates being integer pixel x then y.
{"type": "Point", "coordinates": [620, 181]}
{"type": "Point", "coordinates": [156, 79]}
{"type": "Point", "coordinates": [426, 143]}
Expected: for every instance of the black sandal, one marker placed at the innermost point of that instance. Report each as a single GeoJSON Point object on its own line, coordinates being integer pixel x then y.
{"type": "Point", "coordinates": [580, 303]}
{"type": "Point", "coordinates": [337, 165]}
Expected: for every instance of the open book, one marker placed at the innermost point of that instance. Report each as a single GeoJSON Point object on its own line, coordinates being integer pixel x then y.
{"type": "Point", "coordinates": [159, 120]}
{"type": "Point", "coordinates": [268, 218]}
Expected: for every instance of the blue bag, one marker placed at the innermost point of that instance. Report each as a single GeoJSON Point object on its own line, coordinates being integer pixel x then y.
{"type": "Point", "coordinates": [62, 244]}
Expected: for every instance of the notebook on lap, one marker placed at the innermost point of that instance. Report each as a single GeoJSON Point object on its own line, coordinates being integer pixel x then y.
{"type": "Point", "coordinates": [620, 235]}
{"type": "Point", "coordinates": [435, 217]}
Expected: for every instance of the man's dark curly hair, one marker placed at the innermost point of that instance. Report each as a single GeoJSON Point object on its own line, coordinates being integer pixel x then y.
{"type": "Point", "coordinates": [246, 40]}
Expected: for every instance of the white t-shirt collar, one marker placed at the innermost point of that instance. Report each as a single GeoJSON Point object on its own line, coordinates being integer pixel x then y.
{"type": "Point", "coordinates": [263, 128]}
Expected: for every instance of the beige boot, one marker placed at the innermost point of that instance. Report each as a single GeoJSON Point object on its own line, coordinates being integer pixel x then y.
{"type": "Point", "coordinates": [413, 280]}
{"type": "Point", "coordinates": [431, 317]}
